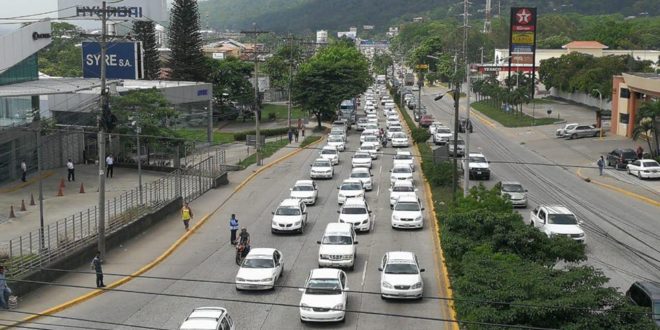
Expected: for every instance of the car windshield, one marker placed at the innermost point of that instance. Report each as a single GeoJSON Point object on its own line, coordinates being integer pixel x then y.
{"type": "Point", "coordinates": [368, 147]}
{"type": "Point", "coordinates": [395, 129]}
{"type": "Point", "coordinates": [403, 156]}
{"type": "Point", "coordinates": [361, 155]}
{"type": "Point", "coordinates": [329, 152]}
{"type": "Point", "coordinates": [258, 263]}
{"type": "Point", "coordinates": [323, 286]}
{"type": "Point", "coordinates": [401, 170]}
{"type": "Point", "coordinates": [287, 210]}
{"type": "Point", "coordinates": [406, 206]}
{"type": "Point", "coordinates": [443, 130]}
{"type": "Point", "coordinates": [303, 188]}
{"type": "Point", "coordinates": [399, 136]}
{"type": "Point", "coordinates": [362, 120]}
{"type": "Point", "coordinates": [372, 126]}
{"type": "Point", "coordinates": [403, 188]}
{"type": "Point", "coordinates": [651, 163]}
{"type": "Point", "coordinates": [360, 175]}
{"type": "Point", "coordinates": [337, 240]}
{"type": "Point", "coordinates": [458, 142]}
{"type": "Point", "coordinates": [401, 269]}
{"type": "Point", "coordinates": [477, 159]}
{"type": "Point", "coordinates": [370, 138]}
{"type": "Point", "coordinates": [512, 188]}
{"type": "Point", "coordinates": [335, 138]}
{"type": "Point", "coordinates": [322, 164]}
{"type": "Point", "coordinates": [353, 210]}
{"type": "Point", "coordinates": [629, 154]}
{"type": "Point", "coordinates": [561, 219]}
{"type": "Point", "coordinates": [351, 186]}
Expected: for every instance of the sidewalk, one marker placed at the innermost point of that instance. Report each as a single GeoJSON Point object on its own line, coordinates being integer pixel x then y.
{"type": "Point", "coordinates": [134, 254]}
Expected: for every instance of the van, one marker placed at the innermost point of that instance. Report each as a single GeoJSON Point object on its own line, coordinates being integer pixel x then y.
{"type": "Point", "coordinates": [338, 246]}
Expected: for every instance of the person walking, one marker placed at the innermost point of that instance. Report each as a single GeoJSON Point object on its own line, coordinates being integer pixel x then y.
{"type": "Point", "coordinates": [71, 175]}
{"type": "Point", "coordinates": [5, 292]}
{"type": "Point", "coordinates": [233, 228]}
{"type": "Point", "coordinates": [601, 165]}
{"type": "Point", "coordinates": [297, 134]}
{"type": "Point", "coordinates": [109, 166]}
{"type": "Point", "coordinates": [96, 266]}
{"type": "Point", "coordinates": [186, 215]}
{"type": "Point", "coordinates": [290, 135]}
{"type": "Point", "coordinates": [640, 152]}
{"type": "Point", "coordinates": [23, 171]}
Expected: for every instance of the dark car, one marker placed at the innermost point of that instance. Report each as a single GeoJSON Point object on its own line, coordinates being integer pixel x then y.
{"type": "Point", "coordinates": [426, 120]}
{"type": "Point", "coordinates": [418, 113]}
{"type": "Point", "coordinates": [464, 124]}
{"type": "Point", "coordinates": [646, 294]}
{"type": "Point", "coordinates": [619, 158]}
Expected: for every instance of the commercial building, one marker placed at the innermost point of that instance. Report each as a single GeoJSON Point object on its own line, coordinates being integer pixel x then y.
{"type": "Point", "coordinates": [629, 91]}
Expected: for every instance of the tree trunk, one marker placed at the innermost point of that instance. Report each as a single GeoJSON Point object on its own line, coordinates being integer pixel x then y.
{"type": "Point", "coordinates": [318, 120]}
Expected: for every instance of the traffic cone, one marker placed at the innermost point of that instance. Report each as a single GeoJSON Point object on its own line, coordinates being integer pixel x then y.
{"type": "Point", "coordinates": [82, 188]}
{"type": "Point", "coordinates": [62, 183]}
{"type": "Point", "coordinates": [32, 200]}
{"type": "Point", "coordinates": [11, 212]}
{"type": "Point", "coordinates": [60, 192]}
{"type": "Point", "coordinates": [23, 209]}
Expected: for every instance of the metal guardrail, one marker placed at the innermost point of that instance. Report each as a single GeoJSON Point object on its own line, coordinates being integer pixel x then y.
{"type": "Point", "coordinates": [59, 239]}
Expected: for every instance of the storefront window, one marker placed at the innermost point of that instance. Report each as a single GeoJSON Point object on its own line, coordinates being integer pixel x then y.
{"type": "Point", "coordinates": [623, 118]}
{"type": "Point", "coordinates": [26, 70]}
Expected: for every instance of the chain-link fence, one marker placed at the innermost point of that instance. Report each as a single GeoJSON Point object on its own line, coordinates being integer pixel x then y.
{"type": "Point", "coordinates": [38, 249]}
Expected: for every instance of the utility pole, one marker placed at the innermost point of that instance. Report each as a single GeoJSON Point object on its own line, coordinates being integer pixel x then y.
{"type": "Point", "coordinates": [256, 91]}
{"type": "Point", "coordinates": [42, 241]}
{"type": "Point", "coordinates": [466, 161]}
{"type": "Point", "coordinates": [101, 134]}
{"type": "Point", "coordinates": [290, 38]}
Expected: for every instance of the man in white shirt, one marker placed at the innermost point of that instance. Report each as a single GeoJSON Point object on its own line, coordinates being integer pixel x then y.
{"type": "Point", "coordinates": [23, 171]}
{"type": "Point", "coordinates": [109, 164]}
{"type": "Point", "coordinates": [70, 168]}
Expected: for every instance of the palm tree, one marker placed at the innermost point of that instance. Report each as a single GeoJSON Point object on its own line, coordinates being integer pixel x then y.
{"type": "Point", "coordinates": [647, 120]}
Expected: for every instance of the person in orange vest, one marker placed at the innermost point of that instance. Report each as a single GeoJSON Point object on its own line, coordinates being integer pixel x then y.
{"type": "Point", "coordinates": [186, 215]}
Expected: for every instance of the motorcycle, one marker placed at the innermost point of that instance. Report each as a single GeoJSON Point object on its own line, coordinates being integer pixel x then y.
{"type": "Point", "coordinates": [241, 252]}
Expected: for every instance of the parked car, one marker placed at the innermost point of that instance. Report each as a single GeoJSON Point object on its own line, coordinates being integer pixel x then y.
{"type": "Point", "coordinates": [324, 296]}
{"type": "Point", "coordinates": [208, 318]}
{"type": "Point", "coordinates": [261, 268]}
{"type": "Point", "coordinates": [561, 132]}
{"type": "Point", "coordinates": [644, 169]}
{"type": "Point", "coordinates": [583, 131]}
{"type": "Point", "coordinates": [555, 220]}
{"type": "Point", "coordinates": [646, 294]}
{"type": "Point", "coordinates": [514, 192]}
{"type": "Point", "coordinates": [619, 158]}
{"type": "Point", "coordinates": [401, 276]}
{"type": "Point", "coordinates": [425, 120]}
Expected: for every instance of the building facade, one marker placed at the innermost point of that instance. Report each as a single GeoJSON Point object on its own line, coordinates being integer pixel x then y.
{"type": "Point", "coordinates": [629, 91]}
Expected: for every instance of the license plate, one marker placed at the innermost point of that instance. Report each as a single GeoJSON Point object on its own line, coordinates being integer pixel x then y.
{"type": "Point", "coordinates": [478, 172]}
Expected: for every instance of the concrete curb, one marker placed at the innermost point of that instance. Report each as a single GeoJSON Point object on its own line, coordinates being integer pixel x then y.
{"type": "Point", "coordinates": [639, 197]}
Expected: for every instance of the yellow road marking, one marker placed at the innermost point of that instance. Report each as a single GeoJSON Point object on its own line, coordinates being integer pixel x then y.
{"type": "Point", "coordinates": [619, 190]}
{"type": "Point", "coordinates": [165, 254]}
{"type": "Point", "coordinates": [482, 118]}
{"type": "Point", "coordinates": [29, 181]}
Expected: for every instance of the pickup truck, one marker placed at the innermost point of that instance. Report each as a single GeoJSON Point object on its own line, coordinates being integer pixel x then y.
{"type": "Point", "coordinates": [557, 220]}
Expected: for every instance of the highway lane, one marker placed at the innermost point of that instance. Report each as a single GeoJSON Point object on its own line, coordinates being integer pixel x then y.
{"type": "Point", "coordinates": [209, 256]}
{"type": "Point", "coordinates": [623, 234]}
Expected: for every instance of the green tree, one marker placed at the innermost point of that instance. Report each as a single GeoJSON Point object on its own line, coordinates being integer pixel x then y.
{"type": "Point", "coordinates": [277, 66]}
{"type": "Point", "coordinates": [145, 31]}
{"type": "Point", "coordinates": [62, 58]}
{"type": "Point", "coordinates": [647, 124]}
{"type": "Point", "coordinates": [381, 62]}
{"type": "Point", "coordinates": [230, 78]}
{"type": "Point", "coordinates": [337, 72]}
{"type": "Point", "coordinates": [186, 59]}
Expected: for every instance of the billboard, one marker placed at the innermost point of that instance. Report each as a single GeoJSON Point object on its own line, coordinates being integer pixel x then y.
{"type": "Point", "coordinates": [123, 60]}
{"type": "Point", "coordinates": [126, 10]}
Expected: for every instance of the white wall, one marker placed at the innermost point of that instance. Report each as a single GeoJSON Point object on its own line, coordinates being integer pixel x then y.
{"type": "Point", "coordinates": [582, 98]}
{"type": "Point", "coordinates": [20, 44]}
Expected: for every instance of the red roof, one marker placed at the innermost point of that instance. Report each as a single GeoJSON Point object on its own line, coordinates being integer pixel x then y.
{"type": "Point", "coordinates": [584, 45]}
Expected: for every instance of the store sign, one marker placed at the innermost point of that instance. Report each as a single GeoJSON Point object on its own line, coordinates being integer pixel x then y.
{"type": "Point", "coordinates": [522, 38]}
{"type": "Point", "coordinates": [522, 58]}
{"type": "Point", "coordinates": [123, 60]}
{"type": "Point", "coordinates": [126, 10]}
{"type": "Point", "coordinates": [37, 35]}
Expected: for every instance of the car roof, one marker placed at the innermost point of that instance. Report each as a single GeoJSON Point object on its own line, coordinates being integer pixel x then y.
{"type": "Point", "coordinates": [557, 209]}
{"type": "Point", "coordinates": [360, 169]}
{"type": "Point", "coordinates": [403, 183]}
{"type": "Point", "coordinates": [321, 160]}
{"type": "Point", "coordinates": [402, 166]}
{"type": "Point", "coordinates": [355, 201]}
{"type": "Point", "coordinates": [290, 202]}
{"type": "Point", "coordinates": [407, 198]}
{"type": "Point", "coordinates": [476, 154]}
{"type": "Point", "coordinates": [260, 252]}
{"type": "Point", "coordinates": [651, 288]}
{"type": "Point", "coordinates": [204, 318]}
{"type": "Point", "coordinates": [338, 228]}
{"type": "Point", "coordinates": [329, 147]}
{"type": "Point", "coordinates": [351, 181]}
{"type": "Point", "coordinates": [403, 152]}
{"type": "Point", "coordinates": [325, 273]}
{"type": "Point", "coordinates": [400, 255]}
{"type": "Point", "coordinates": [304, 182]}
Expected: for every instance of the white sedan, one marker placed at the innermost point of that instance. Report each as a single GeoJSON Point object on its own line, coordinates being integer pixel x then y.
{"type": "Point", "coordinates": [306, 191]}
{"type": "Point", "coordinates": [371, 148]}
{"type": "Point", "coordinates": [392, 130]}
{"type": "Point", "coordinates": [401, 276]}
{"type": "Point", "coordinates": [404, 158]}
{"type": "Point", "coordinates": [401, 172]}
{"type": "Point", "coordinates": [260, 270]}
{"type": "Point", "coordinates": [324, 296]}
{"type": "Point", "coordinates": [337, 142]}
{"type": "Point", "coordinates": [330, 153]}
{"type": "Point", "coordinates": [361, 159]}
{"type": "Point", "coordinates": [644, 169]}
{"type": "Point", "coordinates": [400, 139]}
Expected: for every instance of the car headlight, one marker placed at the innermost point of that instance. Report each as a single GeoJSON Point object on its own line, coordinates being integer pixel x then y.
{"type": "Point", "coordinates": [240, 279]}
{"type": "Point", "coordinates": [341, 196]}
{"type": "Point", "coordinates": [297, 223]}
{"type": "Point", "coordinates": [267, 279]}
{"type": "Point", "coordinates": [359, 195]}
{"type": "Point", "coordinates": [325, 256]}
{"type": "Point", "coordinates": [395, 217]}
{"type": "Point", "coordinates": [580, 235]}
{"type": "Point", "coordinates": [347, 257]}
{"type": "Point", "coordinates": [417, 285]}
{"type": "Point", "coordinates": [338, 307]}
{"type": "Point", "coordinates": [365, 222]}
{"type": "Point", "coordinates": [274, 223]}
{"type": "Point", "coordinates": [305, 307]}
{"type": "Point", "coordinates": [387, 285]}
{"type": "Point", "coordinates": [419, 218]}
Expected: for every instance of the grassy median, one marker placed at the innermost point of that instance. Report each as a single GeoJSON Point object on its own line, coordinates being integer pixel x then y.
{"type": "Point", "coordinates": [510, 120]}
{"type": "Point", "coordinates": [267, 150]}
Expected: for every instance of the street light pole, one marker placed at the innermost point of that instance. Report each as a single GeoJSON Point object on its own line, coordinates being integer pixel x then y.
{"type": "Point", "coordinates": [138, 130]}
{"type": "Point", "coordinates": [600, 112]}
{"type": "Point", "coordinates": [466, 164]}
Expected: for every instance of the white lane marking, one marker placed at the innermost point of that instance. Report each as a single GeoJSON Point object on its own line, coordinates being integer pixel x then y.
{"type": "Point", "coordinates": [364, 272]}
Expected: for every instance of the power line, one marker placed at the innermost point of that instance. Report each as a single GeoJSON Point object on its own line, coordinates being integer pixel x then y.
{"type": "Point", "coordinates": [174, 295]}
{"type": "Point", "coordinates": [70, 318]}
{"type": "Point", "coordinates": [476, 301]}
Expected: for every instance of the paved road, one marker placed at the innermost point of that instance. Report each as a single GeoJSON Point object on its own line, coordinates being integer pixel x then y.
{"type": "Point", "coordinates": [209, 256]}
{"type": "Point", "coordinates": [623, 234]}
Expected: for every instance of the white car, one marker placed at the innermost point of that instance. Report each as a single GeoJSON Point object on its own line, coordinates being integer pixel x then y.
{"type": "Point", "coordinates": [337, 142]}
{"type": "Point", "coordinates": [369, 109]}
{"type": "Point", "coordinates": [644, 169]}
{"type": "Point", "coordinates": [324, 296]}
{"type": "Point", "coordinates": [373, 139]}
{"type": "Point", "coordinates": [442, 135]}
{"type": "Point", "coordinates": [356, 212]}
{"type": "Point", "coordinates": [321, 169]}
{"type": "Point", "coordinates": [208, 318]}
{"type": "Point", "coordinates": [399, 139]}
{"type": "Point", "coordinates": [305, 190]}
{"type": "Point", "coordinates": [372, 115]}
{"type": "Point", "coordinates": [392, 130]}
{"type": "Point", "coordinates": [364, 175]}
{"type": "Point", "coordinates": [366, 133]}
{"type": "Point", "coordinates": [434, 126]}
{"type": "Point", "coordinates": [401, 276]}
{"type": "Point", "coordinates": [261, 268]}
{"type": "Point", "coordinates": [557, 220]}
{"type": "Point", "coordinates": [390, 111]}
{"type": "Point", "coordinates": [370, 130]}
{"type": "Point", "coordinates": [337, 247]}
{"type": "Point", "coordinates": [350, 188]}
{"type": "Point", "coordinates": [402, 188]}
{"type": "Point", "coordinates": [389, 105]}
{"type": "Point", "coordinates": [478, 166]}
{"type": "Point", "coordinates": [330, 153]}
{"type": "Point", "coordinates": [362, 124]}
{"type": "Point", "coordinates": [407, 213]}
{"type": "Point", "coordinates": [404, 157]}
{"type": "Point", "coordinates": [514, 192]}
{"type": "Point", "coordinates": [392, 122]}
{"type": "Point", "coordinates": [290, 216]}
{"type": "Point", "coordinates": [361, 159]}
{"type": "Point", "coordinates": [371, 148]}
{"type": "Point", "coordinates": [401, 172]}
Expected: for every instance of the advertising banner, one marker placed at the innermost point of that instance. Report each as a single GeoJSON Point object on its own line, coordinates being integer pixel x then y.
{"type": "Point", "coordinates": [123, 60]}
{"type": "Point", "coordinates": [125, 10]}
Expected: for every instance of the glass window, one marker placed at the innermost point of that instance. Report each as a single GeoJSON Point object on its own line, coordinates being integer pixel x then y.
{"type": "Point", "coordinates": [624, 118]}
{"type": "Point", "coordinates": [624, 93]}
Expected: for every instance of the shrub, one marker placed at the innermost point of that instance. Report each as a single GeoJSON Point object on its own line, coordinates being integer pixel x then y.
{"type": "Point", "coordinates": [420, 135]}
{"type": "Point", "coordinates": [240, 136]}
